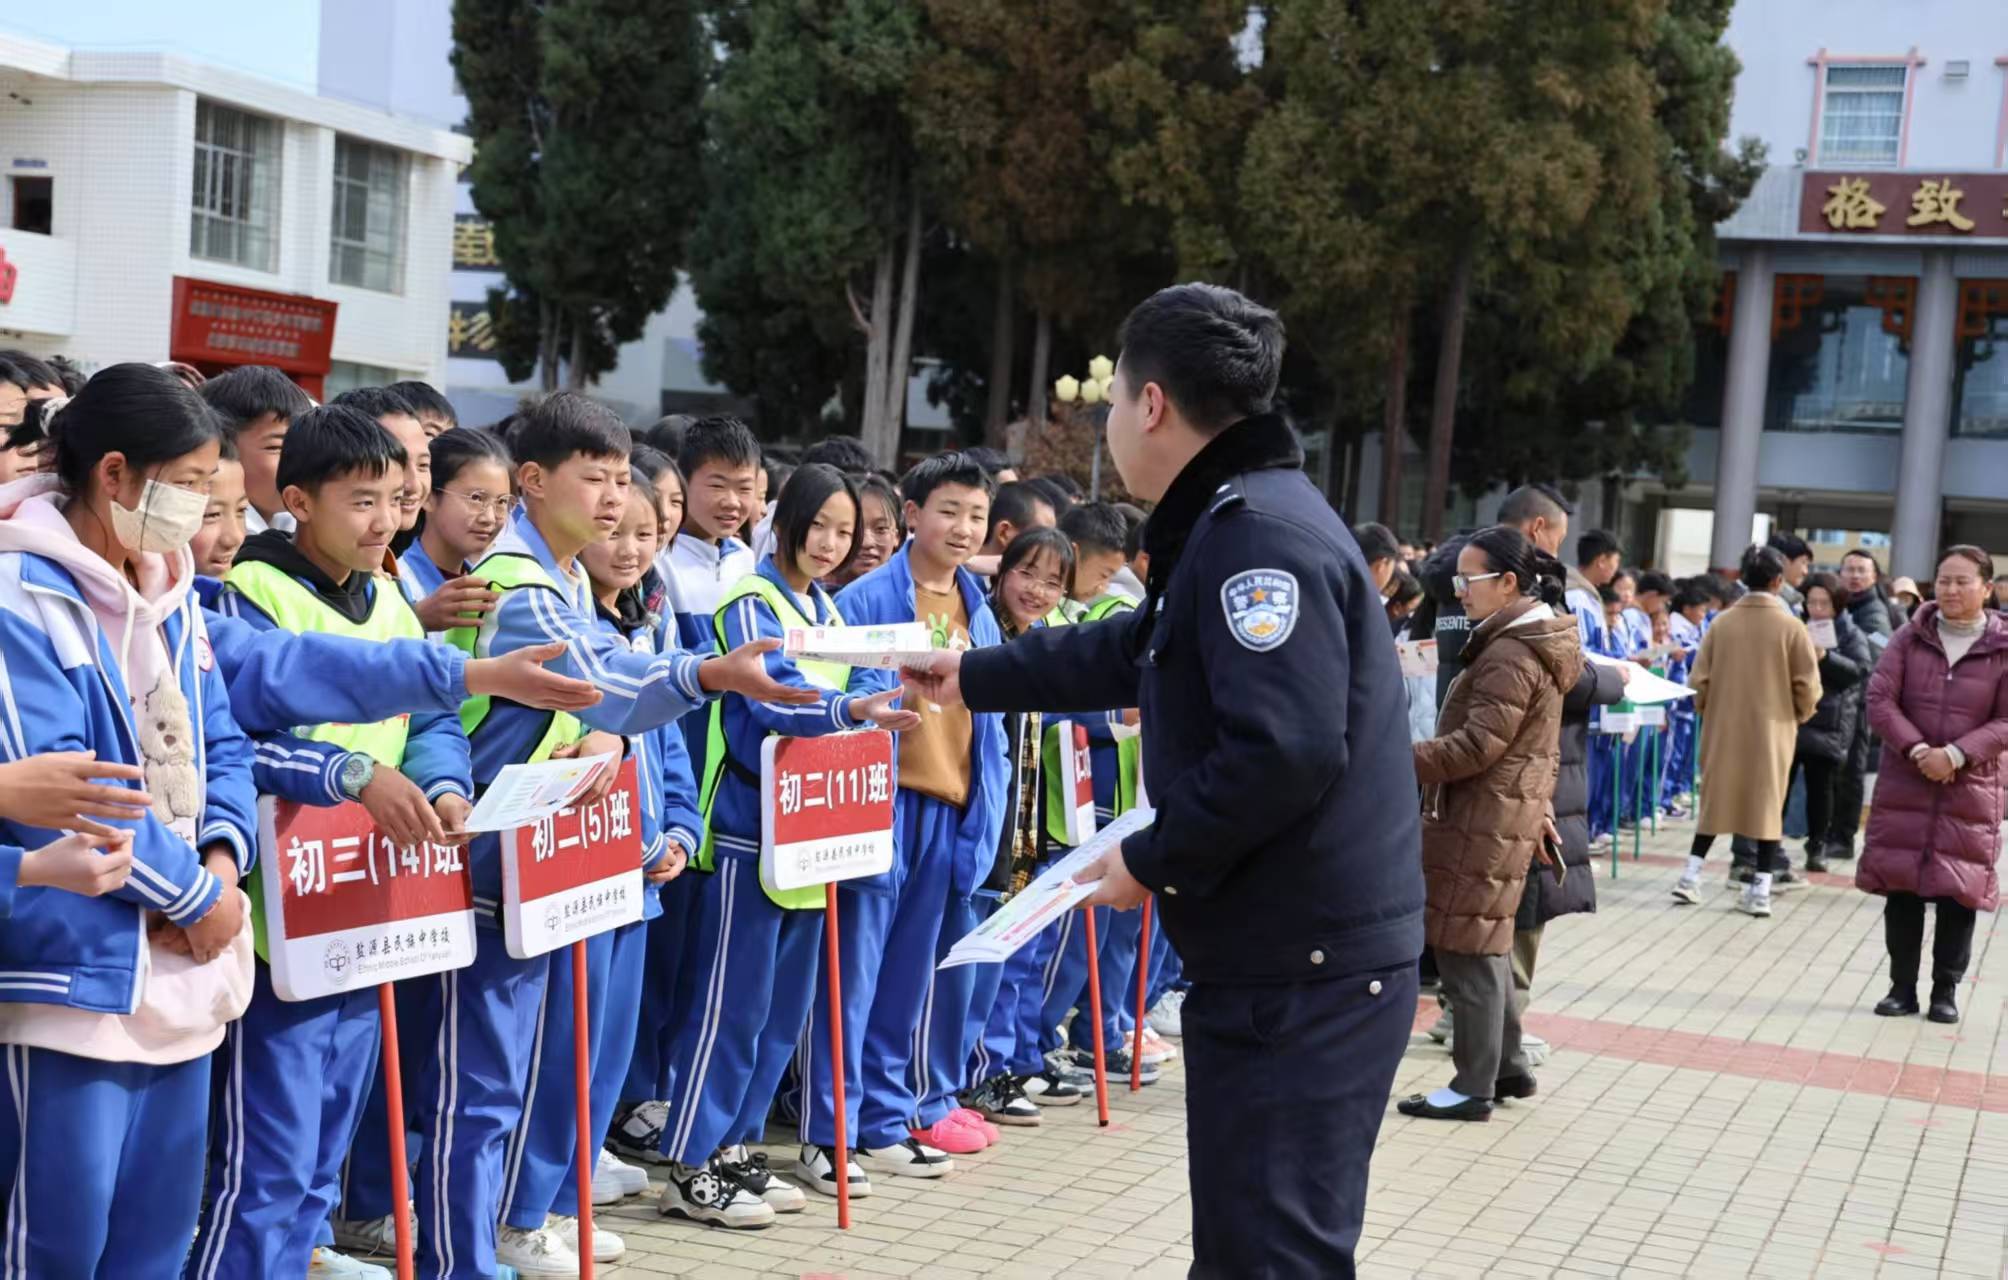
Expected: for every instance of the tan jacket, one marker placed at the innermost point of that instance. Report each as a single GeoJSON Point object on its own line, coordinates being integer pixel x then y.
{"type": "Point", "coordinates": [1489, 775]}
{"type": "Point", "coordinates": [1757, 680]}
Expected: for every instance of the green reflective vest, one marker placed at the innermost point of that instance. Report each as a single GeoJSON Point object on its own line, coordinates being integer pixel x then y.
{"type": "Point", "coordinates": [1128, 750]}
{"type": "Point", "coordinates": [830, 675]}
{"type": "Point", "coordinates": [507, 571]}
{"type": "Point", "coordinates": [296, 607]}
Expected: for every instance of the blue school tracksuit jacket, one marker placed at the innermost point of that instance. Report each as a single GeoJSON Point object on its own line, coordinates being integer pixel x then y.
{"type": "Point", "coordinates": [303, 1069]}
{"type": "Point", "coordinates": [750, 971]}
{"type": "Point", "coordinates": [108, 1140]}
{"type": "Point", "coordinates": [467, 1097]}
{"type": "Point", "coordinates": [907, 1028]}
{"type": "Point", "coordinates": [697, 575]}
{"type": "Point", "coordinates": [542, 1159]}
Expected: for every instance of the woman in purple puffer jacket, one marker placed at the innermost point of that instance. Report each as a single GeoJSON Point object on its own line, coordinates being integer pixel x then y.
{"type": "Point", "coordinates": [1939, 702]}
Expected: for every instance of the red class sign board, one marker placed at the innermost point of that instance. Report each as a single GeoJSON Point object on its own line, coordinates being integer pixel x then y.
{"type": "Point", "coordinates": [829, 808]}
{"type": "Point", "coordinates": [346, 907]}
{"type": "Point", "coordinates": [576, 874]}
{"type": "Point", "coordinates": [1077, 782]}
{"type": "Point", "coordinates": [229, 325]}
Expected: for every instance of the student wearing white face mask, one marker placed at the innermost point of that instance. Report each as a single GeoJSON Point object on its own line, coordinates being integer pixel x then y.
{"type": "Point", "coordinates": [109, 1022]}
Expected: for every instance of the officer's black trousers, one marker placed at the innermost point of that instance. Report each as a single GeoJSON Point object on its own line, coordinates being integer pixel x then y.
{"type": "Point", "coordinates": [1286, 1085]}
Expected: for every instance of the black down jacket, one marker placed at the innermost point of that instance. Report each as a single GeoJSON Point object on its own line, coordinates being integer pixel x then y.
{"type": "Point", "coordinates": [1543, 899]}
{"type": "Point", "coordinates": [1843, 671]}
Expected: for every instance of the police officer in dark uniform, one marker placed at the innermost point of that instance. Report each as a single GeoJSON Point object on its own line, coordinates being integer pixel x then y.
{"type": "Point", "coordinates": [1285, 855]}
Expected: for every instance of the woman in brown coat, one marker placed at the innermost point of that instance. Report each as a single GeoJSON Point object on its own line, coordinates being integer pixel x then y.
{"type": "Point", "coordinates": [1488, 782]}
{"type": "Point", "coordinates": [1757, 680]}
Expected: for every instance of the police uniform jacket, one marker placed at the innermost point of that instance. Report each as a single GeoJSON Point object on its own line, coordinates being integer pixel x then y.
{"type": "Point", "coordinates": [1286, 845]}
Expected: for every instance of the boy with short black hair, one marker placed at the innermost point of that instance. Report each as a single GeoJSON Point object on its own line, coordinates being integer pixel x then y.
{"type": "Point", "coordinates": [949, 810]}
{"type": "Point", "coordinates": [306, 1066]}
{"type": "Point", "coordinates": [256, 403]}
{"type": "Point", "coordinates": [433, 410]}
{"type": "Point", "coordinates": [397, 415]}
{"type": "Point", "coordinates": [1099, 533]}
{"type": "Point", "coordinates": [720, 461]}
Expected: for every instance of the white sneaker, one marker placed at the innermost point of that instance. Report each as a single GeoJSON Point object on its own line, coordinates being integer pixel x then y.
{"type": "Point", "coordinates": [607, 1247]}
{"type": "Point", "coordinates": [637, 1132]}
{"type": "Point", "coordinates": [706, 1193]}
{"type": "Point", "coordinates": [1167, 1019]}
{"type": "Point", "coordinates": [1754, 903]}
{"type": "Point", "coordinates": [535, 1253]}
{"type": "Point", "coordinates": [909, 1159]}
{"type": "Point", "coordinates": [326, 1264]}
{"type": "Point", "coordinates": [371, 1237]}
{"type": "Point", "coordinates": [750, 1168]}
{"type": "Point", "coordinates": [1688, 891]}
{"type": "Point", "coordinates": [1534, 1048]}
{"type": "Point", "coordinates": [818, 1168]}
{"type": "Point", "coordinates": [618, 1176]}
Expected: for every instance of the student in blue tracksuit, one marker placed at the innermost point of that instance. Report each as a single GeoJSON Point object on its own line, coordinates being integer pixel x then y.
{"type": "Point", "coordinates": [540, 1190]}
{"type": "Point", "coordinates": [1684, 625]}
{"type": "Point", "coordinates": [1031, 581]}
{"type": "Point", "coordinates": [949, 809]}
{"type": "Point", "coordinates": [107, 1029]}
{"type": "Point", "coordinates": [1597, 560]}
{"type": "Point", "coordinates": [215, 543]}
{"type": "Point", "coordinates": [303, 1068]}
{"type": "Point", "coordinates": [466, 1096]}
{"type": "Point", "coordinates": [467, 508]}
{"type": "Point", "coordinates": [720, 462]}
{"type": "Point", "coordinates": [1631, 635]}
{"type": "Point", "coordinates": [750, 972]}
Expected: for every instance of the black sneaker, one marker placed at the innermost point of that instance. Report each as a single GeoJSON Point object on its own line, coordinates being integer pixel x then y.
{"type": "Point", "coordinates": [637, 1132]}
{"type": "Point", "coordinates": [817, 1167]}
{"type": "Point", "coordinates": [1116, 1063]}
{"type": "Point", "coordinates": [1060, 1066]}
{"type": "Point", "coordinates": [1815, 864]}
{"type": "Point", "coordinates": [750, 1168]}
{"type": "Point", "coordinates": [708, 1193]}
{"type": "Point", "coordinates": [1002, 1099]}
{"type": "Point", "coordinates": [1051, 1089]}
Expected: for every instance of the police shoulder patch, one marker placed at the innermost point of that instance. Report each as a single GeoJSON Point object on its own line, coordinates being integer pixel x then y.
{"type": "Point", "coordinates": [1261, 607]}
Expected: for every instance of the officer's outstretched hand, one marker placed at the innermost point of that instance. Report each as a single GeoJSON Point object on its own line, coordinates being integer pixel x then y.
{"type": "Point", "coordinates": [938, 676]}
{"type": "Point", "coordinates": [744, 671]}
{"type": "Point", "coordinates": [1114, 885]}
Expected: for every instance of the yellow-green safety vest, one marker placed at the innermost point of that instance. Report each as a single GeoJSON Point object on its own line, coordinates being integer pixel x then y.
{"type": "Point", "coordinates": [1127, 751]}
{"type": "Point", "coordinates": [832, 675]}
{"type": "Point", "coordinates": [506, 571]}
{"type": "Point", "coordinates": [296, 607]}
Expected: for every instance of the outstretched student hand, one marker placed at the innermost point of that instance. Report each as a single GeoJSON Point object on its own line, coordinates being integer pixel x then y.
{"type": "Point", "coordinates": [520, 676]}
{"type": "Point", "coordinates": [879, 709]}
{"type": "Point", "coordinates": [459, 602]}
{"type": "Point", "coordinates": [74, 865]}
{"type": "Point", "coordinates": [53, 791]}
{"type": "Point", "coordinates": [597, 743]}
{"type": "Point", "coordinates": [673, 862]}
{"type": "Point", "coordinates": [399, 808]}
{"type": "Point", "coordinates": [938, 676]}
{"type": "Point", "coordinates": [744, 672]}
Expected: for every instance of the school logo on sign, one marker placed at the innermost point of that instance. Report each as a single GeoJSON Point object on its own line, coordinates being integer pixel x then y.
{"type": "Point", "coordinates": [1261, 607]}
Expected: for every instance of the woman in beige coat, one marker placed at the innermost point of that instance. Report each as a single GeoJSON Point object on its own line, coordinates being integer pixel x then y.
{"type": "Point", "coordinates": [1757, 680]}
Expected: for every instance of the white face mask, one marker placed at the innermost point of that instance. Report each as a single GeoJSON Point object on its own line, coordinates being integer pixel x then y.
{"type": "Point", "coordinates": [167, 520]}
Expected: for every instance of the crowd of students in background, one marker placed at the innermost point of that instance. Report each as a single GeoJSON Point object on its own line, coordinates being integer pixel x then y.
{"type": "Point", "coordinates": [223, 590]}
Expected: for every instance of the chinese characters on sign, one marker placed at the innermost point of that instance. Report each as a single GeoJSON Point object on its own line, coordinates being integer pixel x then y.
{"type": "Point", "coordinates": [228, 324]}
{"type": "Point", "coordinates": [869, 784]}
{"type": "Point", "coordinates": [346, 906]}
{"type": "Point", "coordinates": [470, 331]}
{"type": "Point", "coordinates": [826, 808]}
{"type": "Point", "coordinates": [1968, 204]}
{"type": "Point", "coordinates": [473, 243]}
{"type": "Point", "coordinates": [575, 874]}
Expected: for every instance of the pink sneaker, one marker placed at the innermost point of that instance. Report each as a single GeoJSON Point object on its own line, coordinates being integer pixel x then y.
{"type": "Point", "coordinates": [946, 1135]}
{"type": "Point", "coordinates": [972, 1119]}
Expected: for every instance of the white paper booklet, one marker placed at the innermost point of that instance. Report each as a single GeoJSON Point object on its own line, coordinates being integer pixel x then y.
{"type": "Point", "coordinates": [1043, 901]}
{"type": "Point", "coordinates": [523, 794]}
{"type": "Point", "coordinates": [886, 645]}
{"type": "Point", "coordinates": [1644, 687]}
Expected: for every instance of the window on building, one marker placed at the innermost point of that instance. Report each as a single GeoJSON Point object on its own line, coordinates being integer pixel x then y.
{"type": "Point", "coordinates": [1839, 359]}
{"type": "Point", "coordinates": [236, 196]}
{"type": "Point", "coordinates": [35, 205]}
{"type": "Point", "coordinates": [1861, 114]}
{"type": "Point", "coordinates": [346, 375]}
{"type": "Point", "coordinates": [1980, 379]}
{"type": "Point", "coordinates": [368, 245]}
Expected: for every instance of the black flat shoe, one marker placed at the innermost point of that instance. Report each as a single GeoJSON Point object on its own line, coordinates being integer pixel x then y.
{"type": "Point", "coordinates": [1943, 1006]}
{"type": "Point", "coordinates": [1419, 1106]}
{"type": "Point", "coordinates": [1901, 1002]}
{"type": "Point", "coordinates": [1512, 1087]}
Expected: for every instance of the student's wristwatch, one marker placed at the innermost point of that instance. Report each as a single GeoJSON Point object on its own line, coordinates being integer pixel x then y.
{"type": "Point", "coordinates": [357, 773]}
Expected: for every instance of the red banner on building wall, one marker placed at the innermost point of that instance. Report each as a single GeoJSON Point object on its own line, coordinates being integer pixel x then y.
{"type": "Point", "coordinates": [227, 324]}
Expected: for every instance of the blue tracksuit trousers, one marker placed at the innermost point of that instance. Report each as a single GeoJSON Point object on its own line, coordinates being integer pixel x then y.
{"type": "Point", "coordinates": [950, 1023]}
{"type": "Point", "coordinates": [289, 1084]}
{"type": "Point", "coordinates": [655, 1030]}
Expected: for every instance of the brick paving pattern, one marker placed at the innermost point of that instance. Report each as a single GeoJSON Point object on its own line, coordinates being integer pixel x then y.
{"type": "Point", "coordinates": [1719, 1102]}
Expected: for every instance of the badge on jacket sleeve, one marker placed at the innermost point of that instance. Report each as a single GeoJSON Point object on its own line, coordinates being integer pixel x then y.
{"type": "Point", "coordinates": [1261, 607]}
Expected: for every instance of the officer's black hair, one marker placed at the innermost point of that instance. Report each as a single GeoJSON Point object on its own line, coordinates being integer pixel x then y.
{"type": "Point", "coordinates": [243, 395]}
{"type": "Point", "coordinates": [377, 402]}
{"type": "Point", "coordinates": [991, 460]}
{"type": "Point", "coordinates": [801, 501]}
{"type": "Point", "coordinates": [845, 453]}
{"type": "Point", "coordinates": [426, 401]}
{"type": "Point", "coordinates": [666, 433]}
{"type": "Point", "coordinates": [453, 449]}
{"type": "Point", "coordinates": [1024, 547]}
{"type": "Point", "coordinates": [1790, 545]}
{"type": "Point", "coordinates": [38, 372]}
{"type": "Point", "coordinates": [953, 467]}
{"type": "Point", "coordinates": [567, 425]}
{"type": "Point", "coordinates": [1216, 354]}
{"type": "Point", "coordinates": [1594, 545]}
{"type": "Point", "coordinates": [1377, 542]}
{"type": "Point", "coordinates": [334, 441]}
{"type": "Point", "coordinates": [145, 413]}
{"type": "Point", "coordinates": [718, 439]}
{"type": "Point", "coordinates": [1015, 502]}
{"type": "Point", "coordinates": [1535, 572]}
{"type": "Point", "coordinates": [1534, 502]}
{"type": "Point", "coordinates": [1095, 527]}
{"type": "Point", "coordinates": [1763, 568]}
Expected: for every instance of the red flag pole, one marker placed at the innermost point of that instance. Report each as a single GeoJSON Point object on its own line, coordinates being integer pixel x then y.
{"type": "Point", "coordinates": [1095, 1009]}
{"type": "Point", "coordinates": [837, 1064]}
{"type": "Point", "coordinates": [400, 1172]}
{"type": "Point", "coordinates": [582, 1073]}
{"type": "Point", "coordinates": [1142, 986]}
